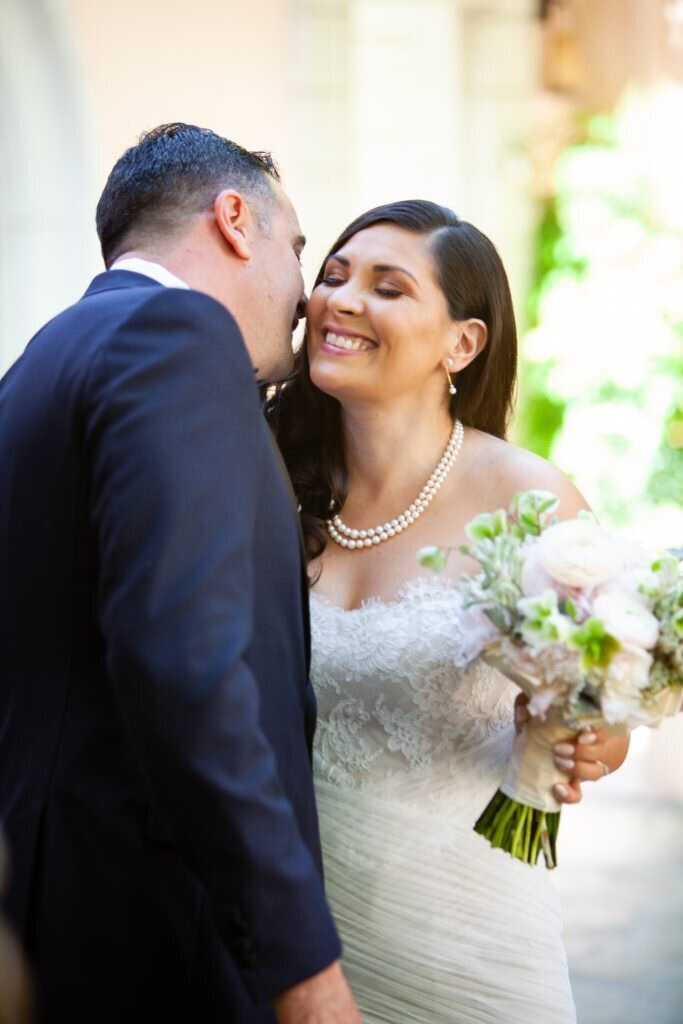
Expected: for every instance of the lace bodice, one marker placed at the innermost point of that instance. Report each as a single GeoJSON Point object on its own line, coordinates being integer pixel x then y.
{"type": "Point", "coordinates": [402, 707]}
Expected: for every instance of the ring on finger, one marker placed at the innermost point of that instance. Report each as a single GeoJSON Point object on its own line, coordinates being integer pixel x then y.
{"type": "Point", "coordinates": [605, 769]}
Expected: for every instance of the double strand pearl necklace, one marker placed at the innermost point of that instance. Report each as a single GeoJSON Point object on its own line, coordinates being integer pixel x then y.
{"type": "Point", "coordinates": [355, 539]}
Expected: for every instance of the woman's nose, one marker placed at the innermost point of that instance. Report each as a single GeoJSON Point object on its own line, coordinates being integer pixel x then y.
{"type": "Point", "coordinates": [345, 298]}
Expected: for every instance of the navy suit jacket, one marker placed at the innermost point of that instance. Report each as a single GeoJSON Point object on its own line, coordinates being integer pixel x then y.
{"type": "Point", "coordinates": [155, 711]}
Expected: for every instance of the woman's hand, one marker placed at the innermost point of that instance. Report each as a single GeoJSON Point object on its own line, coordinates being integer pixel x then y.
{"type": "Point", "coordinates": [592, 756]}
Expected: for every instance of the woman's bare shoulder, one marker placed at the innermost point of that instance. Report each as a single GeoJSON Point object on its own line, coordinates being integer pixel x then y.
{"type": "Point", "coordinates": [502, 469]}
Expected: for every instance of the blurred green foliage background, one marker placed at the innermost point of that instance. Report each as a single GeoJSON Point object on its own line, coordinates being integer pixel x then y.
{"type": "Point", "coordinates": [601, 389]}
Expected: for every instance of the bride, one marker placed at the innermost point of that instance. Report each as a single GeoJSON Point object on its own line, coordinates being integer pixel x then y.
{"type": "Point", "coordinates": [410, 334]}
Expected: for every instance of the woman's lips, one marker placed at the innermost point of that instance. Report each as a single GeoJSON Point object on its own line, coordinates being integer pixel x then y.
{"type": "Point", "coordinates": [345, 344]}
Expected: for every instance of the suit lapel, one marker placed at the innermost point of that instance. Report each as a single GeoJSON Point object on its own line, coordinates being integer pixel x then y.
{"type": "Point", "coordinates": [302, 548]}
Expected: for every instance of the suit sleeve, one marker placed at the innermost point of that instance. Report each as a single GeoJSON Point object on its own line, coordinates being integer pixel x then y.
{"type": "Point", "coordinates": [174, 436]}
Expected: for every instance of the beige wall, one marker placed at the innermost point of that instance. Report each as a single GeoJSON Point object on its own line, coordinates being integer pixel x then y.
{"type": "Point", "coordinates": [219, 64]}
{"type": "Point", "coordinates": [45, 235]}
{"type": "Point", "coordinates": [361, 101]}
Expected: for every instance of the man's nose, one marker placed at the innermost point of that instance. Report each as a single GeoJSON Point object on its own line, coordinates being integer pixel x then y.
{"type": "Point", "coordinates": [301, 305]}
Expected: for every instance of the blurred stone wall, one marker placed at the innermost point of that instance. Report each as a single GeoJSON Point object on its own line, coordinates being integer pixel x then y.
{"type": "Point", "coordinates": [362, 101]}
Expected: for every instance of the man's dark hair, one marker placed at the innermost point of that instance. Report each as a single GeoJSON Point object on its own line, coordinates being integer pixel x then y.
{"type": "Point", "coordinates": [174, 172]}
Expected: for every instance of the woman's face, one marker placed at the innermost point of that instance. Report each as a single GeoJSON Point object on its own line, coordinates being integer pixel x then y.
{"type": "Point", "coordinates": [378, 323]}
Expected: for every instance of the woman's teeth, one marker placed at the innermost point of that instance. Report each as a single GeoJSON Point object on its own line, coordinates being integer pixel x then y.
{"type": "Point", "coordinates": [350, 344]}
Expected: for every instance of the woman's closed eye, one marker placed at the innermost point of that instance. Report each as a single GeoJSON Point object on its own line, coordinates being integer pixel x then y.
{"type": "Point", "coordinates": [384, 290]}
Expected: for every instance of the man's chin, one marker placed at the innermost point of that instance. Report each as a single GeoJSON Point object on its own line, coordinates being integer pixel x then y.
{"type": "Point", "coordinates": [284, 367]}
{"type": "Point", "coordinates": [277, 373]}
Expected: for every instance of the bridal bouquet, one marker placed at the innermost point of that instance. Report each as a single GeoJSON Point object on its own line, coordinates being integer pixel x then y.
{"type": "Point", "coordinates": [589, 628]}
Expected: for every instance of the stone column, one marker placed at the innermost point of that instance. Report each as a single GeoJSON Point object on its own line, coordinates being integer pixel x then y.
{"type": "Point", "coordinates": [318, 160]}
{"type": "Point", "coordinates": [499, 53]}
{"type": "Point", "coordinates": [426, 99]}
{"type": "Point", "coordinates": [405, 101]}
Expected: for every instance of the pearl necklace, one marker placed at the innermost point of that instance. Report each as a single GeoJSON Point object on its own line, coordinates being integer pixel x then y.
{"type": "Point", "coordinates": [354, 539]}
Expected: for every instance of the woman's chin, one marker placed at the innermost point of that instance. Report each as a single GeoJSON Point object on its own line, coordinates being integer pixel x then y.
{"type": "Point", "coordinates": [327, 386]}
{"type": "Point", "coordinates": [333, 380]}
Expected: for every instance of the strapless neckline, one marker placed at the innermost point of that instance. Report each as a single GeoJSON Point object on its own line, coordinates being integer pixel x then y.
{"type": "Point", "coordinates": [416, 587]}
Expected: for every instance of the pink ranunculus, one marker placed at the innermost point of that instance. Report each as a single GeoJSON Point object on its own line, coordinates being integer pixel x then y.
{"type": "Point", "coordinates": [579, 553]}
{"type": "Point", "coordinates": [625, 617]}
{"type": "Point", "coordinates": [626, 676]}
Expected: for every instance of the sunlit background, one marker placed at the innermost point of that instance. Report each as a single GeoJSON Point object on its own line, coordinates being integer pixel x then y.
{"type": "Point", "coordinates": [556, 127]}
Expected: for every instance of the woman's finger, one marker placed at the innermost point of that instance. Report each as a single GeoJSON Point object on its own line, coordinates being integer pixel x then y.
{"type": "Point", "coordinates": [566, 755]}
{"type": "Point", "coordinates": [610, 749]}
{"type": "Point", "coordinates": [590, 771]}
{"type": "Point", "coordinates": [568, 792]}
{"type": "Point", "coordinates": [577, 761]}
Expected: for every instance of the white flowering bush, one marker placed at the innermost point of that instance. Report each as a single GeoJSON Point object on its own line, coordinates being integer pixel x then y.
{"type": "Point", "coordinates": [602, 377]}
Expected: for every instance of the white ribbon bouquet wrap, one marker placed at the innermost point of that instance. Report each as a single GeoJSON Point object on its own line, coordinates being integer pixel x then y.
{"type": "Point", "coordinates": [590, 629]}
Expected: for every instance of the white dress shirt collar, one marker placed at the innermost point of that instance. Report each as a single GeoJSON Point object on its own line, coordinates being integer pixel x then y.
{"type": "Point", "coordinates": [149, 269]}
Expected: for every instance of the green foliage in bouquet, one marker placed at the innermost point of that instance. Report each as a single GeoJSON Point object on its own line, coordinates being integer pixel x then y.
{"type": "Point", "coordinates": [595, 644]}
{"type": "Point", "coordinates": [664, 588]}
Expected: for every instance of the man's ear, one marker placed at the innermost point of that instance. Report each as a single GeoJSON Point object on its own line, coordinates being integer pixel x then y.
{"type": "Point", "coordinates": [235, 222]}
{"type": "Point", "coordinates": [470, 339]}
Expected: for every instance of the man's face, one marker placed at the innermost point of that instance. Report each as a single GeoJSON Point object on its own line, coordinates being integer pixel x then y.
{"type": "Point", "coordinates": [278, 287]}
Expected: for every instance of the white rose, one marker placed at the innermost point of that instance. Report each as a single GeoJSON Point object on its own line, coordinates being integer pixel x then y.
{"type": "Point", "coordinates": [627, 674]}
{"type": "Point", "coordinates": [626, 618]}
{"type": "Point", "coordinates": [579, 553]}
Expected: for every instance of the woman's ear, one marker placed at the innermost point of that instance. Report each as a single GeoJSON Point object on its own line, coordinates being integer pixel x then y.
{"type": "Point", "coordinates": [235, 222]}
{"type": "Point", "coordinates": [470, 339]}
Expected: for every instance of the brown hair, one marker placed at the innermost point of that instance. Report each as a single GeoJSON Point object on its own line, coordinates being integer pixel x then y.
{"type": "Point", "coordinates": [307, 422]}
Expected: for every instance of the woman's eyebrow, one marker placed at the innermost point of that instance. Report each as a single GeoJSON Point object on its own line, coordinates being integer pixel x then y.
{"type": "Point", "coordinates": [379, 267]}
{"type": "Point", "coordinates": [382, 267]}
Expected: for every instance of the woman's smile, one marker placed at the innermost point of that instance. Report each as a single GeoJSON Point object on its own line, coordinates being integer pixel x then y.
{"type": "Point", "coordinates": [341, 341]}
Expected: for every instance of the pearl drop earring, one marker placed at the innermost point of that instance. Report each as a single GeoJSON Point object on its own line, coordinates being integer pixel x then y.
{"type": "Point", "coordinates": [452, 390]}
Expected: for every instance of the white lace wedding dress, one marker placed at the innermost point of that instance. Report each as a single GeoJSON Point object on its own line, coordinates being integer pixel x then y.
{"type": "Point", "coordinates": [437, 926]}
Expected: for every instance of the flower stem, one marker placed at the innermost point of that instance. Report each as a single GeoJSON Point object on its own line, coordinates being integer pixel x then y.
{"type": "Point", "coordinates": [521, 831]}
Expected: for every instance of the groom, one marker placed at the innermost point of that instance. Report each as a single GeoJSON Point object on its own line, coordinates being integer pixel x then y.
{"type": "Point", "coordinates": [155, 714]}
